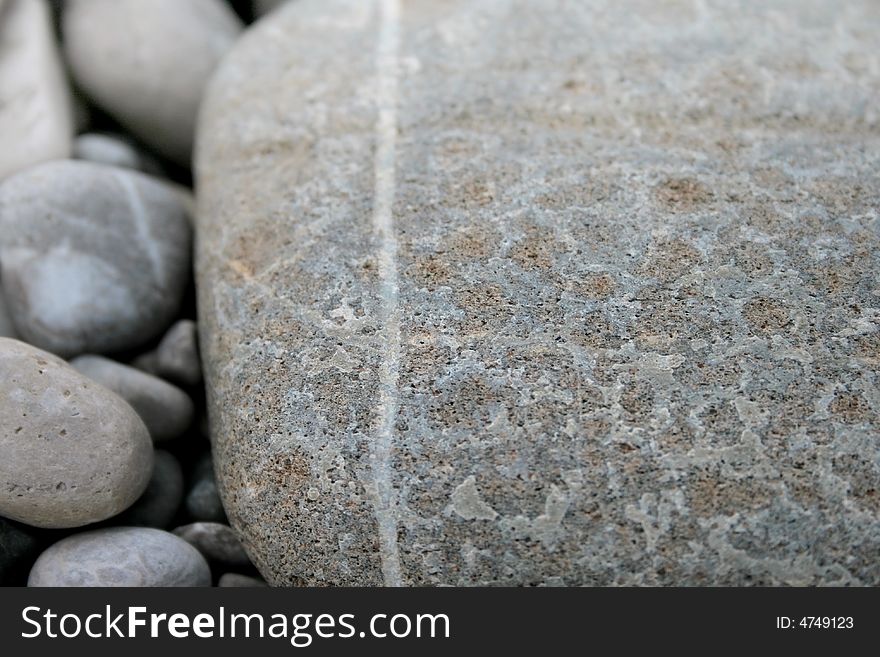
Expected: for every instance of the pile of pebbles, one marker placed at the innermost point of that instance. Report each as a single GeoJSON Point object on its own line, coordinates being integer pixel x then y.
{"type": "Point", "coordinates": [106, 476]}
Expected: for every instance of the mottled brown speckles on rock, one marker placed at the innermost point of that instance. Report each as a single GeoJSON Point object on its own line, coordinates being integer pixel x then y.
{"type": "Point", "coordinates": [593, 286]}
{"type": "Point", "coordinates": [536, 250]}
{"type": "Point", "coordinates": [474, 243]}
{"type": "Point", "coordinates": [431, 271]}
{"type": "Point", "coordinates": [637, 311]}
{"type": "Point", "coordinates": [682, 194]}
{"type": "Point", "coordinates": [669, 259]}
{"type": "Point", "coordinates": [766, 315]}
{"type": "Point", "coordinates": [851, 407]}
{"type": "Point", "coordinates": [710, 492]}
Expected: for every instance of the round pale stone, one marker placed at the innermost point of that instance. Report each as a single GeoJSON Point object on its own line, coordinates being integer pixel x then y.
{"type": "Point", "coordinates": [147, 63]}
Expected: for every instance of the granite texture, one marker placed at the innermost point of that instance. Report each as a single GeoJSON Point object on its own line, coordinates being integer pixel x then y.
{"type": "Point", "coordinates": [546, 292]}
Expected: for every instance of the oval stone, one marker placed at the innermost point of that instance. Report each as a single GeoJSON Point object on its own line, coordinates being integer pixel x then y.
{"type": "Point", "coordinates": [235, 580]}
{"type": "Point", "coordinates": [73, 452]}
{"type": "Point", "coordinates": [217, 542]}
{"type": "Point", "coordinates": [121, 556]}
{"type": "Point", "coordinates": [94, 258]}
{"type": "Point", "coordinates": [7, 328]}
{"type": "Point", "coordinates": [177, 357]}
{"type": "Point", "coordinates": [146, 63]}
{"type": "Point", "coordinates": [113, 150]}
{"type": "Point", "coordinates": [165, 409]}
{"type": "Point", "coordinates": [203, 501]}
{"type": "Point", "coordinates": [545, 293]}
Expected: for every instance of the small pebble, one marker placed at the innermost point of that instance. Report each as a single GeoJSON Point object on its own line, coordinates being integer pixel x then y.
{"type": "Point", "coordinates": [147, 362]}
{"type": "Point", "coordinates": [165, 409]}
{"type": "Point", "coordinates": [7, 328]}
{"type": "Point", "coordinates": [146, 63]}
{"type": "Point", "coordinates": [263, 7]}
{"type": "Point", "coordinates": [73, 453]}
{"type": "Point", "coordinates": [115, 151]}
{"type": "Point", "coordinates": [203, 502]}
{"type": "Point", "coordinates": [36, 112]}
{"type": "Point", "coordinates": [203, 499]}
{"type": "Point", "coordinates": [178, 354]}
{"type": "Point", "coordinates": [234, 580]}
{"type": "Point", "coordinates": [18, 548]}
{"type": "Point", "coordinates": [95, 258]}
{"type": "Point", "coordinates": [162, 499]}
{"type": "Point", "coordinates": [215, 541]}
{"type": "Point", "coordinates": [121, 556]}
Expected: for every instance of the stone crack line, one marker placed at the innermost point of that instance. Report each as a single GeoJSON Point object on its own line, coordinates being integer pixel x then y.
{"type": "Point", "coordinates": [383, 228]}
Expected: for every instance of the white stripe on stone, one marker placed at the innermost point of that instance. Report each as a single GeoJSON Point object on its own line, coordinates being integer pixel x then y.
{"type": "Point", "coordinates": [383, 227]}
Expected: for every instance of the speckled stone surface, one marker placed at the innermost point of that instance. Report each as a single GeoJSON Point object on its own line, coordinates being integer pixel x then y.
{"type": "Point", "coordinates": [547, 292]}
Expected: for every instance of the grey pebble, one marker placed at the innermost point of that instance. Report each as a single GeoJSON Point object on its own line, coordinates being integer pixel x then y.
{"type": "Point", "coordinates": [94, 258]}
{"type": "Point", "coordinates": [263, 7]}
{"type": "Point", "coordinates": [165, 409]}
{"type": "Point", "coordinates": [18, 548]}
{"type": "Point", "coordinates": [121, 556]}
{"type": "Point", "coordinates": [147, 362]}
{"type": "Point", "coordinates": [203, 501]}
{"type": "Point", "coordinates": [73, 453]}
{"type": "Point", "coordinates": [113, 150]}
{"type": "Point", "coordinates": [161, 500]}
{"type": "Point", "coordinates": [235, 580]}
{"type": "Point", "coordinates": [178, 354]}
{"type": "Point", "coordinates": [7, 328]}
{"type": "Point", "coordinates": [216, 542]}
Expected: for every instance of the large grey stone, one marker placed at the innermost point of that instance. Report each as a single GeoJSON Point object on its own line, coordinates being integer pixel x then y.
{"type": "Point", "coordinates": [73, 453]}
{"type": "Point", "coordinates": [94, 258]}
{"type": "Point", "coordinates": [121, 556]}
{"type": "Point", "coordinates": [546, 292]}
{"type": "Point", "coordinates": [36, 111]}
{"type": "Point", "coordinates": [147, 63]}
